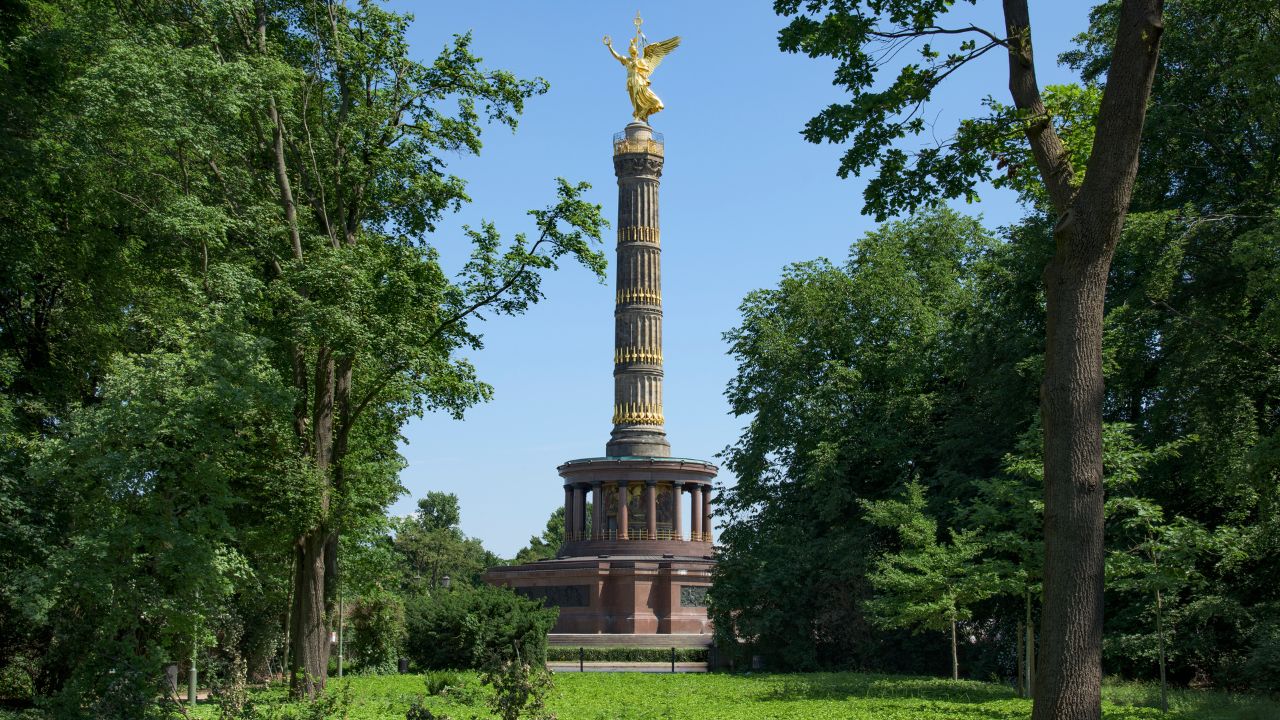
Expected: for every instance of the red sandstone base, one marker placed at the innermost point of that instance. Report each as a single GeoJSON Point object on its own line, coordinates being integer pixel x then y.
{"type": "Point", "coordinates": [614, 594]}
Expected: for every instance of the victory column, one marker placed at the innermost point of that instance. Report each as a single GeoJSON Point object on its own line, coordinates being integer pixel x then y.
{"type": "Point", "coordinates": [627, 575]}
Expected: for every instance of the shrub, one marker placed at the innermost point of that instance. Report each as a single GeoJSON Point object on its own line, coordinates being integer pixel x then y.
{"type": "Point", "coordinates": [519, 689]}
{"type": "Point", "coordinates": [1262, 667]}
{"type": "Point", "coordinates": [377, 633]}
{"type": "Point", "coordinates": [437, 681]}
{"type": "Point", "coordinates": [476, 628]}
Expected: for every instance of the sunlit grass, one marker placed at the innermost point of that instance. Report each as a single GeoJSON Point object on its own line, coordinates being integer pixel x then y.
{"type": "Point", "coordinates": [816, 696]}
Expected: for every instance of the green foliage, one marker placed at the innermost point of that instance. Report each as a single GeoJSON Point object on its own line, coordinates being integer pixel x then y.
{"type": "Point", "coordinates": [417, 711]}
{"type": "Point", "coordinates": [179, 438]}
{"type": "Point", "coordinates": [1190, 348]}
{"type": "Point", "coordinates": [476, 627]}
{"type": "Point", "coordinates": [927, 584]}
{"type": "Point", "coordinates": [826, 696]}
{"type": "Point", "coordinates": [1213, 126]}
{"type": "Point", "coordinates": [520, 689]}
{"type": "Point", "coordinates": [439, 681]}
{"type": "Point", "coordinates": [878, 121]}
{"type": "Point", "coordinates": [841, 369]}
{"type": "Point", "coordinates": [430, 545]}
{"type": "Point", "coordinates": [170, 313]}
{"type": "Point", "coordinates": [377, 633]}
{"type": "Point", "coordinates": [546, 545]}
{"type": "Point", "coordinates": [439, 511]}
{"type": "Point", "coordinates": [1073, 110]}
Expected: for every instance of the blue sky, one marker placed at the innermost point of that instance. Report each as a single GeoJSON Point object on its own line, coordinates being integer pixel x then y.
{"type": "Point", "coordinates": [743, 195]}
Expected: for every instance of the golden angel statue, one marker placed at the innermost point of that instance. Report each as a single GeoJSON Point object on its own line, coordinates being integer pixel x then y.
{"type": "Point", "coordinates": [641, 60]}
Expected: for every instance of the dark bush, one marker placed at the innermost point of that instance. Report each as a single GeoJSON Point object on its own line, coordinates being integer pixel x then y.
{"type": "Point", "coordinates": [476, 628]}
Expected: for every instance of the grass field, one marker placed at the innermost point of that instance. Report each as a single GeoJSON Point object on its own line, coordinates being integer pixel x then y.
{"type": "Point", "coordinates": [819, 696]}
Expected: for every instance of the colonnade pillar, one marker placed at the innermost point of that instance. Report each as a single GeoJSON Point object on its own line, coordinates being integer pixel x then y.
{"type": "Point", "coordinates": [651, 509]}
{"type": "Point", "coordinates": [579, 511]}
{"type": "Point", "coordinates": [622, 510]}
{"type": "Point", "coordinates": [568, 513]}
{"type": "Point", "coordinates": [695, 513]}
{"type": "Point", "coordinates": [677, 514]}
{"type": "Point", "coordinates": [706, 513]}
{"type": "Point", "coordinates": [597, 511]}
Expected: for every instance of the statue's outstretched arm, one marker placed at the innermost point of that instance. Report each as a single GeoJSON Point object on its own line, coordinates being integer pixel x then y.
{"type": "Point", "coordinates": [609, 44]}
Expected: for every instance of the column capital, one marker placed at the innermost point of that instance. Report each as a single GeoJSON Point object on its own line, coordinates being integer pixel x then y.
{"type": "Point", "coordinates": [651, 482]}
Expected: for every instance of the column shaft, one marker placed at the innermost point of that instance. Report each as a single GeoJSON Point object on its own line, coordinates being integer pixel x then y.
{"type": "Point", "coordinates": [637, 371]}
{"type": "Point", "coordinates": [677, 514]}
{"type": "Point", "coordinates": [706, 513]}
{"type": "Point", "coordinates": [651, 509]}
{"type": "Point", "coordinates": [695, 513]}
{"type": "Point", "coordinates": [568, 513]}
{"type": "Point", "coordinates": [622, 510]}
{"type": "Point", "coordinates": [597, 511]}
{"type": "Point", "coordinates": [578, 509]}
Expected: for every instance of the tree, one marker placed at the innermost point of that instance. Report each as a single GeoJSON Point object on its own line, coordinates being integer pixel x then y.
{"type": "Point", "coordinates": [1160, 563]}
{"type": "Point", "coordinates": [353, 130]}
{"type": "Point", "coordinates": [846, 372]}
{"type": "Point", "coordinates": [927, 584]}
{"type": "Point", "coordinates": [1090, 213]}
{"type": "Point", "coordinates": [430, 545]}
{"type": "Point", "coordinates": [547, 544]}
{"type": "Point", "coordinates": [284, 159]}
{"type": "Point", "coordinates": [439, 511]}
{"type": "Point", "coordinates": [1007, 512]}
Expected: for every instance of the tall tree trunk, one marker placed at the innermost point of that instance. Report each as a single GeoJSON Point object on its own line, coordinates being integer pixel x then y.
{"type": "Point", "coordinates": [1070, 678]}
{"type": "Point", "coordinates": [310, 665]}
{"type": "Point", "coordinates": [311, 608]}
{"type": "Point", "coordinates": [288, 615]}
{"type": "Point", "coordinates": [342, 378]}
{"type": "Point", "coordinates": [1030, 652]}
{"type": "Point", "coordinates": [1069, 684]}
{"type": "Point", "coordinates": [1164, 685]}
{"type": "Point", "coordinates": [955, 658]}
{"type": "Point", "coordinates": [1020, 661]}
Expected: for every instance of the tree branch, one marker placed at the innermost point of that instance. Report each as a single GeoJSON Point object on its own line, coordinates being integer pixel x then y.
{"type": "Point", "coordinates": [935, 30]}
{"type": "Point", "coordinates": [1052, 158]}
{"type": "Point", "coordinates": [457, 318]}
{"type": "Point", "coordinates": [1113, 163]}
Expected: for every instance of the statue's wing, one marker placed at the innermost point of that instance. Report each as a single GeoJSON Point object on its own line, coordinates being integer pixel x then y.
{"type": "Point", "coordinates": [654, 52]}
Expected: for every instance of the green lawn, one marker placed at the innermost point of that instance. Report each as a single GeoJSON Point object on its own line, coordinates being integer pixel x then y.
{"type": "Point", "coordinates": [848, 696]}
{"type": "Point", "coordinates": [819, 696]}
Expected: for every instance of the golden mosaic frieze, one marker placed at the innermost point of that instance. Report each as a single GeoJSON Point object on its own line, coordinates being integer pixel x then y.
{"type": "Point", "coordinates": [637, 414]}
{"type": "Point", "coordinates": [637, 354]}
{"type": "Point", "coordinates": [636, 295]}
{"type": "Point", "coordinates": [638, 234]}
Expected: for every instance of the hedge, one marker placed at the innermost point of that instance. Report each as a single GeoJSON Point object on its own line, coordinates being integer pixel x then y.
{"type": "Point", "coordinates": [625, 654]}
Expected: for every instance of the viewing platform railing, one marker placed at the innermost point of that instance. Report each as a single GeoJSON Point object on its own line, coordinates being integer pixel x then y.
{"type": "Point", "coordinates": [653, 146]}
